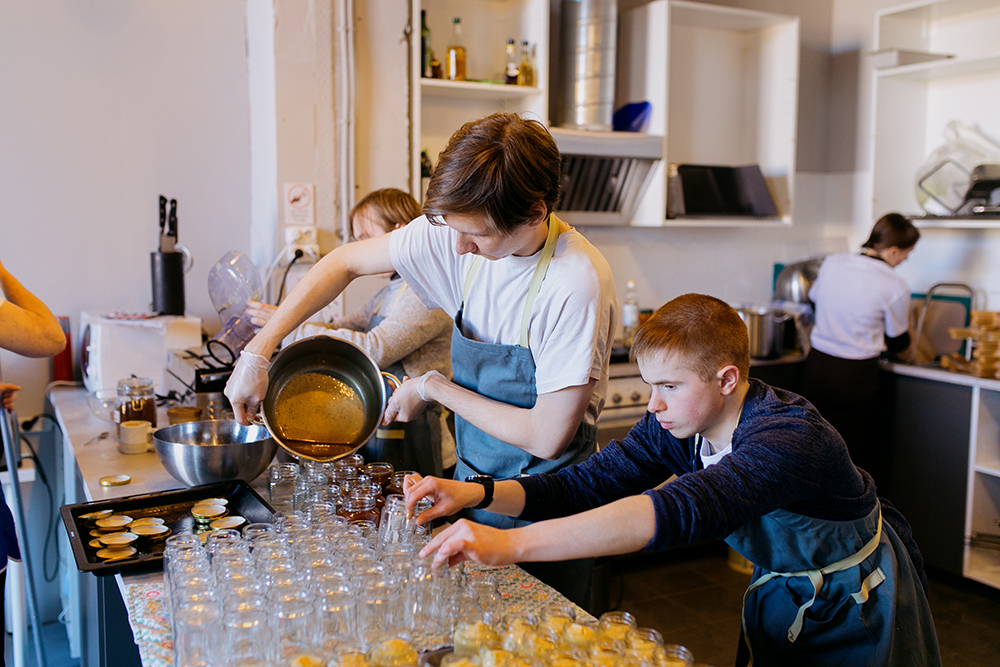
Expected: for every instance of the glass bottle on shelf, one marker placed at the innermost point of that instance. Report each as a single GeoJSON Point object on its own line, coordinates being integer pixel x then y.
{"type": "Point", "coordinates": [525, 71]}
{"type": "Point", "coordinates": [456, 52]}
{"type": "Point", "coordinates": [511, 72]}
{"type": "Point", "coordinates": [630, 314]}
{"type": "Point", "coordinates": [425, 46]}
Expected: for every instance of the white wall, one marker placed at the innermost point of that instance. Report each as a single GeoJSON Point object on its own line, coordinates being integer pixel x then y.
{"type": "Point", "coordinates": [104, 106]}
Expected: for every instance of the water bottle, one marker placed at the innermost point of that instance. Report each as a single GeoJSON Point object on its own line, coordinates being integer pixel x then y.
{"type": "Point", "coordinates": [630, 314]}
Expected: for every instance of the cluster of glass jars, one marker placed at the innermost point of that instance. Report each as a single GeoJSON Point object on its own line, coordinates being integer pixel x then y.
{"type": "Point", "coordinates": [357, 490]}
{"type": "Point", "coordinates": [309, 589]}
{"type": "Point", "coordinates": [556, 638]}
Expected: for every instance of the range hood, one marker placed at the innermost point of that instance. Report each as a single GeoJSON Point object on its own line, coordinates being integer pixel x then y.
{"type": "Point", "coordinates": [604, 174]}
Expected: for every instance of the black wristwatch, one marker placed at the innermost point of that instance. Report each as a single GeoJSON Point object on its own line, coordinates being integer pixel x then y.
{"type": "Point", "coordinates": [487, 483]}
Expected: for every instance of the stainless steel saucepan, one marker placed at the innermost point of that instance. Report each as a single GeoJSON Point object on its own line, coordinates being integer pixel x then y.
{"type": "Point", "coordinates": [325, 398]}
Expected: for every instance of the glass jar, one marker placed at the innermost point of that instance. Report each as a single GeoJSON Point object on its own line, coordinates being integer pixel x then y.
{"type": "Point", "coordinates": [359, 507]}
{"type": "Point", "coordinates": [136, 401]}
{"type": "Point", "coordinates": [381, 473]}
{"type": "Point", "coordinates": [395, 484]}
{"type": "Point", "coordinates": [349, 461]}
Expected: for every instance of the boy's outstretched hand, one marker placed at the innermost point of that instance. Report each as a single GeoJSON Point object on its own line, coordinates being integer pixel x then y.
{"type": "Point", "coordinates": [449, 496]}
{"type": "Point", "coordinates": [467, 540]}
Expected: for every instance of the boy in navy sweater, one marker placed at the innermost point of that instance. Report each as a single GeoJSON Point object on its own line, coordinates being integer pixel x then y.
{"type": "Point", "coordinates": [837, 579]}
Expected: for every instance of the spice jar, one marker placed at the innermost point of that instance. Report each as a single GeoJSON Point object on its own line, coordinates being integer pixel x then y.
{"type": "Point", "coordinates": [136, 401]}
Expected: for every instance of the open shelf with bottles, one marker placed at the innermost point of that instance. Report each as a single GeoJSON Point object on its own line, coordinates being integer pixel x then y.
{"type": "Point", "coordinates": [723, 83]}
{"type": "Point", "coordinates": [439, 107]}
{"type": "Point", "coordinates": [913, 103]}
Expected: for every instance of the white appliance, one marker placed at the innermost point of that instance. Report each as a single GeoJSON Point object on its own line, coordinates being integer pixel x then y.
{"type": "Point", "coordinates": [112, 349]}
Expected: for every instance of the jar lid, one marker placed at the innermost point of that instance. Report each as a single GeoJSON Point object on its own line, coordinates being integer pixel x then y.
{"type": "Point", "coordinates": [134, 386]}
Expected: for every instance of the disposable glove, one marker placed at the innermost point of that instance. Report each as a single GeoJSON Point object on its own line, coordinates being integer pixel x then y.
{"type": "Point", "coordinates": [247, 386]}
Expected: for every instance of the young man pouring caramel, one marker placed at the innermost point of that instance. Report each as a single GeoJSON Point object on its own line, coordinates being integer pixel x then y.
{"type": "Point", "coordinates": [837, 579]}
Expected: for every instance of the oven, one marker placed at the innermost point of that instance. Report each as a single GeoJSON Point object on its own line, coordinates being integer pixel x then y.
{"type": "Point", "coordinates": [625, 404]}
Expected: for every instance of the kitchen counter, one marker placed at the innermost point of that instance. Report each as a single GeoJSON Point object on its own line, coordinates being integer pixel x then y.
{"type": "Point", "coordinates": [942, 439]}
{"type": "Point", "coordinates": [939, 374]}
{"type": "Point", "coordinates": [101, 608]}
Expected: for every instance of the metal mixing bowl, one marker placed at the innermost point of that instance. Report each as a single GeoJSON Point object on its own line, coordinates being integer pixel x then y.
{"type": "Point", "coordinates": [206, 452]}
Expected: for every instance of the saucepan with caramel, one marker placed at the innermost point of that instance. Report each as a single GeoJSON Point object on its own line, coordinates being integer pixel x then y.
{"type": "Point", "coordinates": [325, 398]}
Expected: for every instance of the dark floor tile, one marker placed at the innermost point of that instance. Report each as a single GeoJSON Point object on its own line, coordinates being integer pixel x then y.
{"type": "Point", "coordinates": [715, 604]}
{"type": "Point", "coordinates": [711, 644]}
{"type": "Point", "coordinates": [661, 613]}
{"type": "Point", "coordinates": [647, 584]}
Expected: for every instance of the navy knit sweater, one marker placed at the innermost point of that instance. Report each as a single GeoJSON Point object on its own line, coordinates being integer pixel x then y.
{"type": "Point", "coordinates": [785, 455]}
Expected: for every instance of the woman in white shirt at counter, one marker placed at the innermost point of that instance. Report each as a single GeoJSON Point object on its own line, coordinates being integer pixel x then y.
{"type": "Point", "coordinates": [862, 309]}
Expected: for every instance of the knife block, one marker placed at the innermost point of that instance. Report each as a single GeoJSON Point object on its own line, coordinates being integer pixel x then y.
{"type": "Point", "coordinates": [168, 282]}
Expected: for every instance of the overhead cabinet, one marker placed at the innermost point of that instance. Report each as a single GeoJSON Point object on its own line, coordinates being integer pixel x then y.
{"type": "Point", "coordinates": [723, 84]}
{"type": "Point", "coordinates": [955, 75]}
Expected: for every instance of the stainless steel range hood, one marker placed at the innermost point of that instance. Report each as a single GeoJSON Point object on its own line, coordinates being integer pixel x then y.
{"type": "Point", "coordinates": [604, 174]}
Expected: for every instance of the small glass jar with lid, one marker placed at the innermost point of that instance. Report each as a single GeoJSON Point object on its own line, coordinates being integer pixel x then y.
{"type": "Point", "coordinates": [136, 401]}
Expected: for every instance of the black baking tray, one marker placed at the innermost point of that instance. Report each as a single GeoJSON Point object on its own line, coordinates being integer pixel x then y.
{"type": "Point", "coordinates": [172, 506]}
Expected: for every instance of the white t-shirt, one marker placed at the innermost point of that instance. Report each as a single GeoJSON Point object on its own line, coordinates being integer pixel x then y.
{"type": "Point", "coordinates": [859, 300]}
{"type": "Point", "coordinates": [573, 320]}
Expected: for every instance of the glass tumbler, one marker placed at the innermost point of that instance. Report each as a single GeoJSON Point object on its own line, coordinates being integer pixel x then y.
{"type": "Point", "coordinates": [245, 631]}
{"type": "Point", "coordinates": [281, 485]}
{"type": "Point", "coordinates": [290, 628]}
{"type": "Point", "coordinates": [393, 528]}
{"type": "Point", "coordinates": [196, 640]}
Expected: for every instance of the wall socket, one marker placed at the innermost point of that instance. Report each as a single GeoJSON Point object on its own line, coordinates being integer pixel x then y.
{"type": "Point", "coordinates": [302, 237]}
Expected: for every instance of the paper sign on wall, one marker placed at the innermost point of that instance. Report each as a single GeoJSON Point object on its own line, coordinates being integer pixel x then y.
{"type": "Point", "coordinates": [300, 204]}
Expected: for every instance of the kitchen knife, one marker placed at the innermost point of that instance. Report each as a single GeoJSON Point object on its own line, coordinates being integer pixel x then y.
{"type": "Point", "coordinates": [163, 221]}
{"type": "Point", "coordinates": [170, 238]}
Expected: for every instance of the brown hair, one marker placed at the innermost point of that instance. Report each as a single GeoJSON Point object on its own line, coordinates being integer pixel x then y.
{"type": "Point", "coordinates": [501, 167]}
{"type": "Point", "coordinates": [389, 207]}
{"type": "Point", "coordinates": [705, 332]}
{"type": "Point", "coordinates": [892, 229]}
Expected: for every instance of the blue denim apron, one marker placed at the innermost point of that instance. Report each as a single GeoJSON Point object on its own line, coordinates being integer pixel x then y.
{"type": "Point", "coordinates": [506, 373]}
{"type": "Point", "coordinates": [831, 593]}
{"type": "Point", "coordinates": [413, 445]}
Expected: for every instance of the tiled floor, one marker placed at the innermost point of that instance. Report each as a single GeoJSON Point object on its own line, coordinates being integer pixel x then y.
{"type": "Point", "coordinates": [693, 598]}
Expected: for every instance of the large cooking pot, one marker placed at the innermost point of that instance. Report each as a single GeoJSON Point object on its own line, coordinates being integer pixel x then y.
{"type": "Point", "coordinates": [766, 327]}
{"type": "Point", "coordinates": [325, 398]}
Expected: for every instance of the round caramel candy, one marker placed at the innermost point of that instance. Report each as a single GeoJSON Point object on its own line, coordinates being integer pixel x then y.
{"type": "Point", "coordinates": [91, 517]}
{"type": "Point", "coordinates": [148, 521]}
{"type": "Point", "coordinates": [95, 544]}
{"type": "Point", "coordinates": [208, 512]}
{"type": "Point", "coordinates": [116, 553]}
{"type": "Point", "coordinates": [153, 531]}
{"type": "Point", "coordinates": [114, 522]}
{"type": "Point", "coordinates": [213, 501]}
{"type": "Point", "coordinates": [228, 522]}
{"type": "Point", "coordinates": [118, 539]}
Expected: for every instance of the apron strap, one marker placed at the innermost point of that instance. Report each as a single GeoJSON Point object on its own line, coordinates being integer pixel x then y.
{"type": "Point", "coordinates": [536, 280]}
{"type": "Point", "coordinates": [470, 276]}
{"type": "Point", "coordinates": [548, 250]}
{"type": "Point", "coordinates": [816, 578]}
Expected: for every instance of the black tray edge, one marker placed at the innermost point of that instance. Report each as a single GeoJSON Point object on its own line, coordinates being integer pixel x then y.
{"type": "Point", "coordinates": [150, 562]}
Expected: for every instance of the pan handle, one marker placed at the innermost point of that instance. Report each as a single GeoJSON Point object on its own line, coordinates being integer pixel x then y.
{"type": "Point", "coordinates": [393, 380]}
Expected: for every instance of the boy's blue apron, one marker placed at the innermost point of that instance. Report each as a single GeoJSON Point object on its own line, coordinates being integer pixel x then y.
{"type": "Point", "coordinates": [831, 593]}
{"type": "Point", "coordinates": [506, 373]}
{"type": "Point", "coordinates": [413, 445]}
